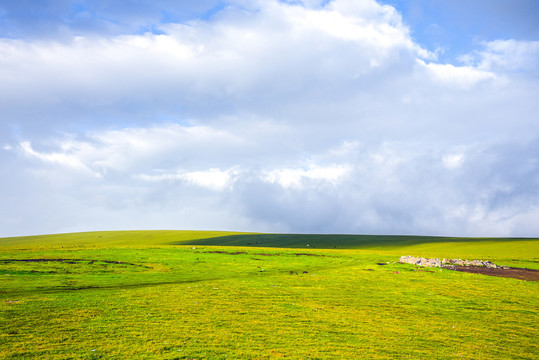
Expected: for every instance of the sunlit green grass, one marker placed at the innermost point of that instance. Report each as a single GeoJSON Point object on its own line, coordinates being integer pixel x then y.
{"type": "Point", "coordinates": [101, 239]}
{"type": "Point", "coordinates": [134, 295]}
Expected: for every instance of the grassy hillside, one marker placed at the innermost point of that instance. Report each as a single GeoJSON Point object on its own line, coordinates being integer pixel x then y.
{"type": "Point", "coordinates": [209, 295]}
{"type": "Point", "coordinates": [522, 252]}
{"type": "Point", "coordinates": [510, 251]}
{"type": "Point", "coordinates": [100, 239]}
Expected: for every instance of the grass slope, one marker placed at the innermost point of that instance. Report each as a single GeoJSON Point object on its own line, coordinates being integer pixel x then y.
{"type": "Point", "coordinates": [100, 239]}
{"type": "Point", "coordinates": [208, 295]}
{"type": "Point", "coordinates": [523, 252]}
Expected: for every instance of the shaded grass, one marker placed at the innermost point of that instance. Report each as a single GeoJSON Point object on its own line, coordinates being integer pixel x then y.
{"type": "Point", "coordinates": [518, 252]}
{"type": "Point", "coordinates": [212, 302]}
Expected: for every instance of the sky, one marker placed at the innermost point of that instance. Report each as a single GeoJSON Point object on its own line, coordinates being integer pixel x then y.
{"type": "Point", "coordinates": [411, 117]}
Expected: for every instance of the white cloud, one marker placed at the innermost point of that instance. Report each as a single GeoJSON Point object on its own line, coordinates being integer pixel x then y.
{"type": "Point", "coordinates": [270, 116]}
{"type": "Point", "coordinates": [229, 58]}
{"type": "Point", "coordinates": [59, 158]}
{"type": "Point", "coordinates": [505, 55]}
{"type": "Point", "coordinates": [462, 76]}
{"type": "Point", "coordinates": [295, 177]}
{"type": "Point", "coordinates": [122, 151]}
{"type": "Point", "coordinates": [214, 179]}
{"type": "Point", "coordinates": [453, 161]}
{"type": "Point", "coordinates": [393, 187]}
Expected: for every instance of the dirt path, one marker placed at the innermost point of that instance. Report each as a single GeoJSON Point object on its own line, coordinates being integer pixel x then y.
{"type": "Point", "coordinates": [516, 273]}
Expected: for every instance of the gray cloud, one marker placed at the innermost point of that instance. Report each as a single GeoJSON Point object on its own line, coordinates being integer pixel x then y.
{"type": "Point", "coordinates": [475, 191]}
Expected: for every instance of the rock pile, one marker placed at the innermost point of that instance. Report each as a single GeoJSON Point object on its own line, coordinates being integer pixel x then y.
{"type": "Point", "coordinates": [420, 261]}
{"type": "Point", "coordinates": [451, 262]}
{"type": "Point", "coordinates": [460, 262]}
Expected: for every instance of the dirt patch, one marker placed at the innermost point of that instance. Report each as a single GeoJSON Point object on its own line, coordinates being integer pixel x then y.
{"type": "Point", "coordinates": [421, 270]}
{"type": "Point", "coordinates": [515, 273]}
{"type": "Point", "coordinates": [69, 261]}
{"type": "Point", "coordinates": [259, 254]}
{"type": "Point", "coordinates": [297, 254]}
{"type": "Point", "coordinates": [37, 260]}
{"type": "Point", "coordinates": [226, 253]}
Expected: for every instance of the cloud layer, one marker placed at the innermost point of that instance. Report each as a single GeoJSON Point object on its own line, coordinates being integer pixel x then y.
{"type": "Point", "coordinates": [269, 116]}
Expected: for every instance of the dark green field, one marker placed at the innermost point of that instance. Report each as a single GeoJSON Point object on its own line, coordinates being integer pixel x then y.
{"type": "Point", "coordinates": [215, 295]}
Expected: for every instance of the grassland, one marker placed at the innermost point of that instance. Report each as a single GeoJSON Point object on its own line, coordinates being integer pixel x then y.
{"type": "Point", "coordinates": [216, 295]}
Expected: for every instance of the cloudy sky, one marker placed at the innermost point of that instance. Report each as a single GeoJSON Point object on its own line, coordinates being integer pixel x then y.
{"type": "Point", "coordinates": [305, 116]}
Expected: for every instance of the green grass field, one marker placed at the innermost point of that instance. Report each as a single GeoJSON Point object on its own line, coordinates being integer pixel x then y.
{"type": "Point", "coordinates": [220, 295]}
